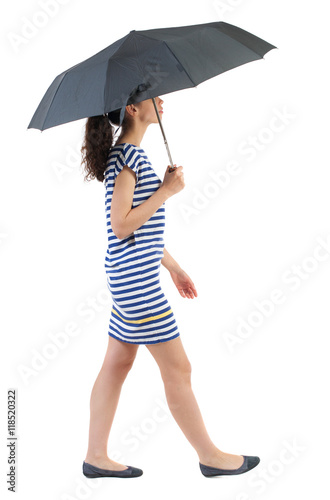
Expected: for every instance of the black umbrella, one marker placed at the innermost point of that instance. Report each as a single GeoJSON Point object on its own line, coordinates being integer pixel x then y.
{"type": "Point", "coordinates": [143, 65]}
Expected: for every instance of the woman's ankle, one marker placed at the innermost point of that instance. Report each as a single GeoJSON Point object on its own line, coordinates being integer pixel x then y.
{"type": "Point", "coordinates": [96, 457]}
{"type": "Point", "coordinates": [209, 455]}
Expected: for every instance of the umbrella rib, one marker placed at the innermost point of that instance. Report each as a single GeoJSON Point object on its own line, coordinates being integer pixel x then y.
{"type": "Point", "coordinates": [184, 69]}
{"type": "Point", "coordinates": [64, 75]}
{"type": "Point", "coordinates": [245, 46]}
{"type": "Point", "coordinates": [169, 48]}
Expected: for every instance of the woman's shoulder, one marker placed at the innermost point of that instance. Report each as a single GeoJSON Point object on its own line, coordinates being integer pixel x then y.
{"type": "Point", "coordinates": [127, 152]}
{"type": "Point", "coordinates": [127, 146]}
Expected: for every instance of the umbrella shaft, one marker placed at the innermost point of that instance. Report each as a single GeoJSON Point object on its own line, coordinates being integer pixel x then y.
{"type": "Point", "coordinates": [161, 127]}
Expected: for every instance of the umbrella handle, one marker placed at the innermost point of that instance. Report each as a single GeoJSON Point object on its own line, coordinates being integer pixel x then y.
{"type": "Point", "coordinates": [172, 168]}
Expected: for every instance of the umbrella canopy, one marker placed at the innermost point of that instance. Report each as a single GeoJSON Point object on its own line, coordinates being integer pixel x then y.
{"type": "Point", "coordinates": [143, 65]}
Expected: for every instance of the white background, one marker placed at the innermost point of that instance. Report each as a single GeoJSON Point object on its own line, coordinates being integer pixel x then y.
{"type": "Point", "coordinates": [266, 394]}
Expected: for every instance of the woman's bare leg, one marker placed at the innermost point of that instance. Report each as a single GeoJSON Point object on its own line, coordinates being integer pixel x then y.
{"type": "Point", "coordinates": [175, 370]}
{"type": "Point", "coordinates": [104, 399]}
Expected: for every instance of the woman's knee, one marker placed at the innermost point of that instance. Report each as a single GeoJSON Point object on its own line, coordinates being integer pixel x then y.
{"type": "Point", "coordinates": [172, 360]}
{"type": "Point", "coordinates": [118, 367]}
{"type": "Point", "coordinates": [177, 372]}
{"type": "Point", "coordinates": [120, 356]}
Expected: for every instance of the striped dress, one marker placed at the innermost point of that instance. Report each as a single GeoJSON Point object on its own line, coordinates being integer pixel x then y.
{"type": "Point", "coordinates": [140, 312]}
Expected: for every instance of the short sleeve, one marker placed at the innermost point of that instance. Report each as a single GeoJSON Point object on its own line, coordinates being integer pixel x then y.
{"type": "Point", "coordinates": [129, 156]}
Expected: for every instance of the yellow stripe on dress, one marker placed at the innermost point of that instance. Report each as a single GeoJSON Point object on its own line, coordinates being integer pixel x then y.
{"type": "Point", "coordinates": [143, 320]}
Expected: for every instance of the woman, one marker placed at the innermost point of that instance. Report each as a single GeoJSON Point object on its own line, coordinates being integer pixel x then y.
{"type": "Point", "coordinates": [140, 312]}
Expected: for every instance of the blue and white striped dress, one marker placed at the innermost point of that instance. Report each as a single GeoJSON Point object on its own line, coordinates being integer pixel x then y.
{"type": "Point", "coordinates": [140, 311]}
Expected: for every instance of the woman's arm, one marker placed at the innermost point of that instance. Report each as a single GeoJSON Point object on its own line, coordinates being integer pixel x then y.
{"type": "Point", "coordinates": [170, 264]}
{"type": "Point", "coordinates": [125, 219]}
{"type": "Point", "coordinates": [180, 278]}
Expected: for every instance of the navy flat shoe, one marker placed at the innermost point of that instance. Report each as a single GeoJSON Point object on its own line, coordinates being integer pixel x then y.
{"type": "Point", "coordinates": [248, 464]}
{"type": "Point", "coordinates": [92, 471]}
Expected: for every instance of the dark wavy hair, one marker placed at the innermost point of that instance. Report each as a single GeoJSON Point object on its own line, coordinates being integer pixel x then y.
{"type": "Point", "coordinates": [98, 140]}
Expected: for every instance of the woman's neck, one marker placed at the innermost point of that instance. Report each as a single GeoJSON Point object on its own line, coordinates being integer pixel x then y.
{"type": "Point", "coordinates": [128, 140]}
{"type": "Point", "coordinates": [134, 135]}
